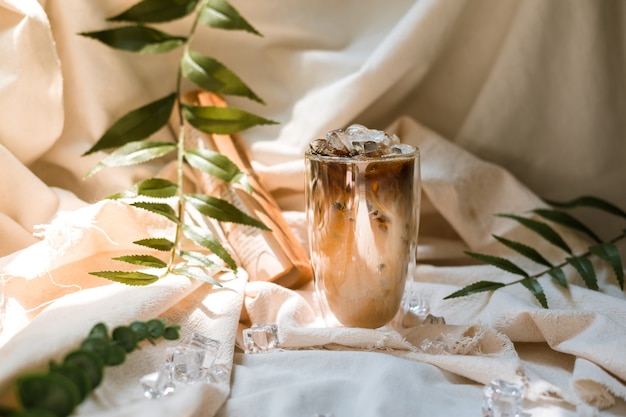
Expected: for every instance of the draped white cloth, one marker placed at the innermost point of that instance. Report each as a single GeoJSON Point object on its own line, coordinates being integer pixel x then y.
{"type": "Point", "coordinates": [509, 101]}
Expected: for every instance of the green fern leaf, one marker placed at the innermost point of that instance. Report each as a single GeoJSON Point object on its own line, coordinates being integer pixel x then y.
{"type": "Point", "coordinates": [136, 125]}
{"type": "Point", "coordinates": [524, 250]}
{"type": "Point", "coordinates": [609, 253]}
{"type": "Point", "coordinates": [536, 290]}
{"type": "Point", "coordinates": [133, 154]}
{"type": "Point", "coordinates": [215, 164]}
{"type": "Point", "coordinates": [158, 243]}
{"type": "Point", "coordinates": [156, 11]}
{"type": "Point", "coordinates": [585, 269]}
{"type": "Point", "coordinates": [222, 210]}
{"type": "Point", "coordinates": [589, 201]}
{"type": "Point", "coordinates": [221, 120]}
{"type": "Point", "coordinates": [211, 75]}
{"type": "Point", "coordinates": [158, 208]}
{"type": "Point", "coordinates": [198, 274]}
{"type": "Point", "coordinates": [148, 261]}
{"type": "Point", "coordinates": [542, 229]}
{"type": "Point", "coordinates": [152, 187]}
{"type": "Point", "coordinates": [134, 278]}
{"type": "Point", "coordinates": [567, 220]}
{"type": "Point", "coordinates": [221, 15]}
{"type": "Point", "coordinates": [207, 240]}
{"type": "Point", "coordinates": [498, 262]}
{"type": "Point", "coordinates": [477, 287]}
{"type": "Point", "coordinates": [201, 259]}
{"type": "Point", "coordinates": [559, 276]}
{"type": "Point", "coordinates": [140, 39]}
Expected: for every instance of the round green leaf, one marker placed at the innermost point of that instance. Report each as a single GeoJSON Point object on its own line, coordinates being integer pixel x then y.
{"type": "Point", "coordinates": [117, 355]}
{"type": "Point", "coordinates": [156, 327]}
{"type": "Point", "coordinates": [98, 346]}
{"type": "Point", "coordinates": [48, 391]}
{"type": "Point", "coordinates": [171, 332]}
{"type": "Point", "coordinates": [99, 331]}
{"type": "Point", "coordinates": [89, 362]}
{"type": "Point", "coordinates": [33, 412]}
{"type": "Point", "coordinates": [140, 328]}
{"type": "Point", "coordinates": [76, 375]}
{"type": "Point", "coordinates": [126, 337]}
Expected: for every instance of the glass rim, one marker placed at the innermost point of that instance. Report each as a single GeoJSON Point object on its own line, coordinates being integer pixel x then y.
{"type": "Point", "coordinates": [415, 153]}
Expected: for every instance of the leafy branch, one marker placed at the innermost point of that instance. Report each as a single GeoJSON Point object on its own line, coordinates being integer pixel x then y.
{"type": "Point", "coordinates": [127, 144]}
{"type": "Point", "coordinates": [57, 391]}
{"type": "Point", "coordinates": [605, 250]}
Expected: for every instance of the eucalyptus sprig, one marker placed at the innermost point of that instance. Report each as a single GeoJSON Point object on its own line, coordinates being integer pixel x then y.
{"type": "Point", "coordinates": [605, 250]}
{"type": "Point", "coordinates": [57, 391]}
{"type": "Point", "coordinates": [126, 138]}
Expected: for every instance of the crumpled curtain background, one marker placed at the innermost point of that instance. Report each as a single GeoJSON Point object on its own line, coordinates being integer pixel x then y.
{"type": "Point", "coordinates": [533, 86]}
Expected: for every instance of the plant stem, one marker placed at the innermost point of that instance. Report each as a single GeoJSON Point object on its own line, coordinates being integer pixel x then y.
{"type": "Point", "coordinates": [180, 151]}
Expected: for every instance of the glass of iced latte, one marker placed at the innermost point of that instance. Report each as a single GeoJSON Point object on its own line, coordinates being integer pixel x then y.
{"type": "Point", "coordinates": [362, 203]}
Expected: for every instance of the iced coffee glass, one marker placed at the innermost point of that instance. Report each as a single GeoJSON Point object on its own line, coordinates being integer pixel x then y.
{"type": "Point", "coordinates": [362, 204]}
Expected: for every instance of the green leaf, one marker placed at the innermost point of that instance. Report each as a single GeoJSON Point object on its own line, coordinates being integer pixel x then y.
{"type": "Point", "coordinates": [222, 210]}
{"type": "Point", "coordinates": [163, 209]}
{"type": "Point", "coordinates": [156, 11]}
{"type": "Point", "coordinates": [609, 253]}
{"type": "Point", "coordinates": [498, 262]}
{"type": "Point", "coordinates": [157, 243]}
{"type": "Point", "coordinates": [171, 332]}
{"type": "Point", "coordinates": [48, 391]}
{"type": "Point", "coordinates": [589, 201]}
{"type": "Point", "coordinates": [200, 259]}
{"type": "Point", "coordinates": [221, 15]}
{"type": "Point", "coordinates": [98, 346]}
{"type": "Point", "coordinates": [31, 412]}
{"type": "Point", "coordinates": [221, 120]}
{"type": "Point", "coordinates": [117, 355]}
{"type": "Point", "coordinates": [198, 274]}
{"type": "Point", "coordinates": [211, 75]}
{"type": "Point", "coordinates": [542, 229]}
{"type": "Point", "coordinates": [215, 164]}
{"type": "Point", "coordinates": [559, 276]}
{"type": "Point", "coordinates": [480, 286]}
{"type": "Point", "coordinates": [127, 277]}
{"type": "Point", "coordinates": [148, 261]}
{"type": "Point", "coordinates": [156, 327]}
{"type": "Point", "coordinates": [152, 187]}
{"type": "Point", "coordinates": [139, 39]}
{"type": "Point", "coordinates": [76, 375]}
{"type": "Point", "coordinates": [535, 288]}
{"type": "Point", "coordinates": [585, 270]}
{"type": "Point", "coordinates": [567, 220]}
{"type": "Point", "coordinates": [140, 328]}
{"type": "Point", "coordinates": [137, 124]}
{"type": "Point", "coordinates": [205, 239]}
{"type": "Point", "coordinates": [132, 154]}
{"type": "Point", "coordinates": [524, 250]}
{"type": "Point", "coordinates": [99, 330]}
{"type": "Point", "coordinates": [89, 362]}
{"type": "Point", "coordinates": [125, 337]}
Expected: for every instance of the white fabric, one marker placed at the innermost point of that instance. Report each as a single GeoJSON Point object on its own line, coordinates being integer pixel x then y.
{"type": "Point", "coordinates": [509, 101]}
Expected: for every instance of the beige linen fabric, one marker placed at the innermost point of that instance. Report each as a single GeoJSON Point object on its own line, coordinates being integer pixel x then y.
{"type": "Point", "coordinates": [509, 101]}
